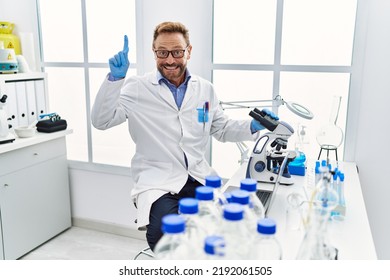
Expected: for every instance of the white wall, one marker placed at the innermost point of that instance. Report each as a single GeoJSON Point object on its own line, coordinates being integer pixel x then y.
{"type": "Point", "coordinates": [106, 198]}
{"type": "Point", "coordinates": [195, 15]}
{"type": "Point", "coordinates": [372, 132]}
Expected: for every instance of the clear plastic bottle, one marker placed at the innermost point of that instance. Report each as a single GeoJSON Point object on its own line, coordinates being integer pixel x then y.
{"type": "Point", "coordinates": [317, 172]}
{"type": "Point", "coordinates": [265, 245]}
{"type": "Point", "coordinates": [340, 211]}
{"type": "Point", "coordinates": [209, 214]}
{"type": "Point", "coordinates": [235, 232]}
{"type": "Point", "coordinates": [341, 189]}
{"type": "Point", "coordinates": [172, 245]}
{"type": "Point", "coordinates": [326, 198]}
{"type": "Point", "coordinates": [214, 247]}
{"type": "Point", "coordinates": [195, 232]}
{"type": "Point", "coordinates": [215, 182]}
{"type": "Point", "coordinates": [242, 197]}
{"type": "Point", "coordinates": [334, 182]}
{"type": "Point", "coordinates": [250, 185]}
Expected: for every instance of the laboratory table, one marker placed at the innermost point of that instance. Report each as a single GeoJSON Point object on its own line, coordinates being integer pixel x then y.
{"type": "Point", "coordinates": [352, 236]}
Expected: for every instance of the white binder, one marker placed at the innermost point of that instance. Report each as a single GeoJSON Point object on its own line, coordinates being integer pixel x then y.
{"type": "Point", "coordinates": [31, 103]}
{"type": "Point", "coordinates": [21, 103]}
{"type": "Point", "coordinates": [40, 97]}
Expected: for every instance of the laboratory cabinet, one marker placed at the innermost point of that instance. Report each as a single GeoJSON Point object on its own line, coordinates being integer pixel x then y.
{"type": "Point", "coordinates": [34, 193]}
{"type": "Point", "coordinates": [27, 97]}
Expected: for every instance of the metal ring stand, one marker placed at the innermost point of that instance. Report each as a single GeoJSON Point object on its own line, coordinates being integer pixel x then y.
{"type": "Point", "coordinates": [328, 148]}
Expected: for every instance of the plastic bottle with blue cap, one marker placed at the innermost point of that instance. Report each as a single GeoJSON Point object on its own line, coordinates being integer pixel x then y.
{"type": "Point", "coordinates": [172, 245]}
{"type": "Point", "coordinates": [250, 185]}
{"type": "Point", "coordinates": [209, 214]}
{"type": "Point", "coordinates": [215, 182]}
{"type": "Point", "coordinates": [340, 211]}
{"type": "Point", "coordinates": [266, 246]}
{"type": "Point", "coordinates": [242, 197]}
{"type": "Point", "coordinates": [317, 172]}
{"type": "Point", "coordinates": [214, 247]}
{"type": "Point", "coordinates": [195, 231]}
{"type": "Point", "coordinates": [235, 232]}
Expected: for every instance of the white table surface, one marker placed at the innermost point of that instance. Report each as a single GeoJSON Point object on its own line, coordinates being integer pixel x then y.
{"type": "Point", "coordinates": [352, 236]}
{"type": "Point", "coordinates": [37, 138]}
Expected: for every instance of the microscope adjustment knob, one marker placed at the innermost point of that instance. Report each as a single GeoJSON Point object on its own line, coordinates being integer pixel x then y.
{"type": "Point", "coordinates": [259, 166]}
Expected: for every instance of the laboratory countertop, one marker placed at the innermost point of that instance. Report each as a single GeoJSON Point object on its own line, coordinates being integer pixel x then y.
{"type": "Point", "coordinates": [39, 137]}
{"type": "Point", "coordinates": [352, 236]}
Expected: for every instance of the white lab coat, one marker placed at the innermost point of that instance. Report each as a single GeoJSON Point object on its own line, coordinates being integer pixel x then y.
{"type": "Point", "coordinates": [163, 133]}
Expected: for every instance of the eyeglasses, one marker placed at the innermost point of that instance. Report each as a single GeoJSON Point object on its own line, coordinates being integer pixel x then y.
{"type": "Point", "coordinates": [165, 53]}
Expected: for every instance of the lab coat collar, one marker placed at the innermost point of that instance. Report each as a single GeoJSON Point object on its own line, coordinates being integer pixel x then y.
{"type": "Point", "coordinates": [191, 90]}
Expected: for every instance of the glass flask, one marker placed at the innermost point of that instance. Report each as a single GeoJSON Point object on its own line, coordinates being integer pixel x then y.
{"type": "Point", "coordinates": [315, 245]}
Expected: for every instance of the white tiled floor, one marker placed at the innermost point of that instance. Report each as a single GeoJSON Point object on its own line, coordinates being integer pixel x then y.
{"type": "Point", "coordinates": [84, 244]}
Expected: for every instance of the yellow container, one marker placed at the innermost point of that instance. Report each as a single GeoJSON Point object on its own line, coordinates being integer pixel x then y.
{"type": "Point", "coordinates": [10, 41]}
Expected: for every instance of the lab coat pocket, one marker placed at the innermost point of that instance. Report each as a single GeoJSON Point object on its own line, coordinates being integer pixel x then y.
{"type": "Point", "coordinates": [202, 118]}
{"type": "Point", "coordinates": [153, 173]}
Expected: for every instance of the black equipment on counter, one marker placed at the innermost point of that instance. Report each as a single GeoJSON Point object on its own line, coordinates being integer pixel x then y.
{"type": "Point", "coordinates": [51, 126]}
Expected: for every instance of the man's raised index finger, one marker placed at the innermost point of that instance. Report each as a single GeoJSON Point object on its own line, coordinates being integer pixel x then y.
{"type": "Point", "coordinates": [126, 44]}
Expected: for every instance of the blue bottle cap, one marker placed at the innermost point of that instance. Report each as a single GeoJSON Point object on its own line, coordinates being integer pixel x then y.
{"type": "Point", "coordinates": [233, 212]}
{"type": "Point", "coordinates": [188, 205]}
{"type": "Point", "coordinates": [249, 185]}
{"type": "Point", "coordinates": [240, 196]}
{"type": "Point", "coordinates": [173, 223]}
{"type": "Point", "coordinates": [341, 176]}
{"type": "Point", "coordinates": [317, 168]}
{"type": "Point", "coordinates": [266, 226]}
{"type": "Point", "coordinates": [204, 193]}
{"type": "Point", "coordinates": [212, 242]}
{"type": "Point", "coordinates": [213, 181]}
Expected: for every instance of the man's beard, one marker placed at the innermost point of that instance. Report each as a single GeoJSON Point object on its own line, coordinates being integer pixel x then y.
{"type": "Point", "coordinates": [179, 70]}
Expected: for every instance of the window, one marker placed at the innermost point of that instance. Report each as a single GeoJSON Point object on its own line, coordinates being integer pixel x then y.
{"type": "Point", "coordinates": [298, 49]}
{"type": "Point", "coordinates": [77, 39]}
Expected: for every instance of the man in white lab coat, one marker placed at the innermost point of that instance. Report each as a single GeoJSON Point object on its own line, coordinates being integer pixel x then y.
{"type": "Point", "coordinates": [171, 113]}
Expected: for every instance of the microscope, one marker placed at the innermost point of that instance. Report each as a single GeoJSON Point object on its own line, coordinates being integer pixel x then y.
{"type": "Point", "coordinates": [269, 153]}
{"type": "Point", "coordinates": [5, 135]}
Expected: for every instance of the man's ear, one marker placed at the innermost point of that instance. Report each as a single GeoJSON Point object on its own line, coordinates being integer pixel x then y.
{"type": "Point", "coordinates": [189, 49]}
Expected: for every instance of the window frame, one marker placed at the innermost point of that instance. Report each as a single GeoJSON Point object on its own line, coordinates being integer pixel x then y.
{"type": "Point", "coordinates": [90, 165]}
{"type": "Point", "coordinates": [277, 68]}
